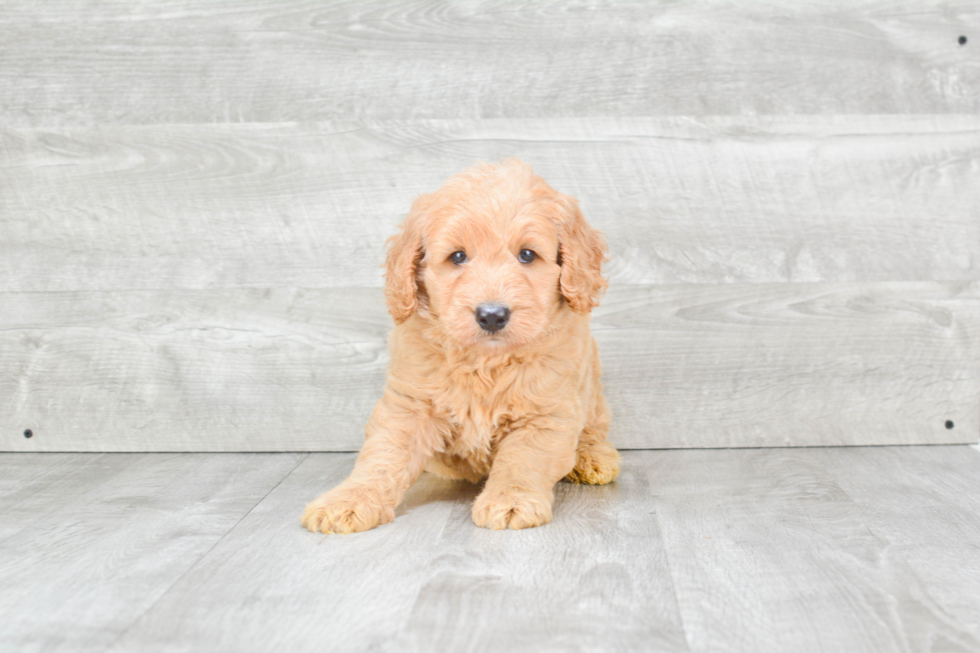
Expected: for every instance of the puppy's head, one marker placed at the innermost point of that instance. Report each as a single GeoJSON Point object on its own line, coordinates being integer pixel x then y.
{"type": "Point", "coordinates": [493, 256]}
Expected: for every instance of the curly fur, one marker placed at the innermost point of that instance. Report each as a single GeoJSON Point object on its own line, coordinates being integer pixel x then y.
{"type": "Point", "coordinates": [522, 407]}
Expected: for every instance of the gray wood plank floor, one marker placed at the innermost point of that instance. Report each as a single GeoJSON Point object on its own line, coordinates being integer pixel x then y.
{"type": "Point", "coordinates": [804, 549]}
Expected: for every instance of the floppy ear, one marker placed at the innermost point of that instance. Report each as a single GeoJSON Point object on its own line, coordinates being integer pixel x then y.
{"type": "Point", "coordinates": [581, 252]}
{"type": "Point", "coordinates": [405, 252]}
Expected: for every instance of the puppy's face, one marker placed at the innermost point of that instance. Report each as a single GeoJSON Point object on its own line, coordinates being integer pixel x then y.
{"type": "Point", "coordinates": [491, 272]}
{"type": "Point", "coordinates": [493, 256]}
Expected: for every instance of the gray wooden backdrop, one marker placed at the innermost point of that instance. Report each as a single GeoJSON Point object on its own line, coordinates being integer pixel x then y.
{"type": "Point", "coordinates": [194, 198]}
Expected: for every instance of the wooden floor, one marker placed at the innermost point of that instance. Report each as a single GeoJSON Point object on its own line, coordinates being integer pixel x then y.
{"type": "Point", "coordinates": [806, 549]}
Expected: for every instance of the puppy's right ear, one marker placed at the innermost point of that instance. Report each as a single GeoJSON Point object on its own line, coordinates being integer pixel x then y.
{"type": "Point", "coordinates": [405, 252]}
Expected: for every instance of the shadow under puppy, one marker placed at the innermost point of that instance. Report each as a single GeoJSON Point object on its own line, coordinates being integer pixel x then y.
{"type": "Point", "coordinates": [494, 373]}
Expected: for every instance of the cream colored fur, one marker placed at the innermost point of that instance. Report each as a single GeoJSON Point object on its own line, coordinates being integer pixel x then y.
{"type": "Point", "coordinates": [522, 407]}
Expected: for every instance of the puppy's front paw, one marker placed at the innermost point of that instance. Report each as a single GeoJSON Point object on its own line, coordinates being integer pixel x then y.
{"type": "Point", "coordinates": [347, 509]}
{"type": "Point", "coordinates": [507, 507]}
{"type": "Point", "coordinates": [596, 464]}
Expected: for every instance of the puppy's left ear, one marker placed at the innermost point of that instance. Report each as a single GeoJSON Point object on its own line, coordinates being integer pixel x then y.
{"type": "Point", "coordinates": [405, 252]}
{"type": "Point", "coordinates": [582, 251]}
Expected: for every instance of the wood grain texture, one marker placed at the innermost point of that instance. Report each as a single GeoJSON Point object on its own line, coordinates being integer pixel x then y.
{"type": "Point", "coordinates": [595, 579]}
{"type": "Point", "coordinates": [300, 370]}
{"type": "Point", "coordinates": [88, 542]}
{"type": "Point", "coordinates": [231, 370]}
{"type": "Point", "coordinates": [189, 191]}
{"type": "Point", "coordinates": [924, 505]}
{"type": "Point", "coordinates": [818, 549]}
{"type": "Point", "coordinates": [272, 585]}
{"type": "Point", "coordinates": [769, 553]}
{"type": "Point", "coordinates": [681, 200]}
{"type": "Point", "coordinates": [792, 364]}
{"type": "Point", "coordinates": [265, 61]}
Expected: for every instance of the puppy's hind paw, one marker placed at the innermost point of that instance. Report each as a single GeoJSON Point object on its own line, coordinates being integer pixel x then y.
{"type": "Point", "coordinates": [349, 509]}
{"type": "Point", "coordinates": [597, 464]}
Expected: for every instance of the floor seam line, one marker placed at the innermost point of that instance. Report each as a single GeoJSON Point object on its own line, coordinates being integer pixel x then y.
{"type": "Point", "coordinates": [204, 555]}
{"type": "Point", "coordinates": [670, 573]}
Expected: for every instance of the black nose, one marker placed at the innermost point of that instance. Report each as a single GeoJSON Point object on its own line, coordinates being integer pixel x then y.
{"type": "Point", "coordinates": [492, 317]}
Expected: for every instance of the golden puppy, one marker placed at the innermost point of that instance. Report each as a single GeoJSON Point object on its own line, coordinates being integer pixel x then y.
{"type": "Point", "coordinates": [494, 373]}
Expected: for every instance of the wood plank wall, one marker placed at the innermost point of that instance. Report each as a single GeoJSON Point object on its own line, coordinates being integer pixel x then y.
{"type": "Point", "coordinates": [194, 198]}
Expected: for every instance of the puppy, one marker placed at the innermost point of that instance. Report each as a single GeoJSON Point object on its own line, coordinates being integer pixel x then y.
{"type": "Point", "coordinates": [494, 373]}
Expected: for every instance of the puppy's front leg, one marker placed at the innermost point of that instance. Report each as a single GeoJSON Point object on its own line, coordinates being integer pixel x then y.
{"type": "Point", "coordinates": [401, 437]}
{"type": "Point", "coordinates": [529, 462]}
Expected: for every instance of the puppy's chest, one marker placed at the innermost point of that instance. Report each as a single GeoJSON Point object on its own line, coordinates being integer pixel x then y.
{"type": "Point", "coordinates": [481, 416]}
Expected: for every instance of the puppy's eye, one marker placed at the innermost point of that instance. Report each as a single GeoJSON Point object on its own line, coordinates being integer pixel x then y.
{"type": "Point", "coordinates": [526, 256]}
{"type": "Point", "coordinates": [458, 257]}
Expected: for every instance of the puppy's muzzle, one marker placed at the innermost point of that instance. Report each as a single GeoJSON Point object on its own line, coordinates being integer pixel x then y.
{"type": "Point", "coordinates": [492, 317]}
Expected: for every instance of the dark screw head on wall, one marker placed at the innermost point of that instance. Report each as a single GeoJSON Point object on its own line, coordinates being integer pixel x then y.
{"type": "Point", "coordinates": [962, 40]}
{"type": "Point", "coordinates": [949, 423]}
{"type": "Point", "coordinates": [28, 433]}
